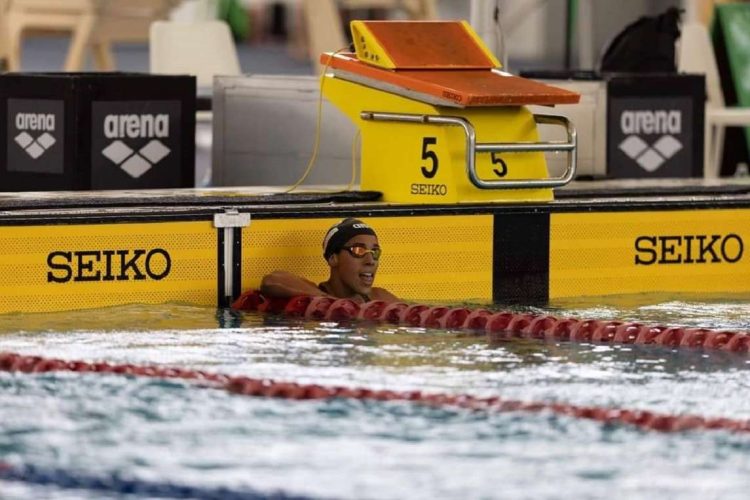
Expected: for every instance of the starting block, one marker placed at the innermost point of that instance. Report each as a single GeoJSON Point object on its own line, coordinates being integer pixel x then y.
{"type": "Point", "coordinates": [439, 122]}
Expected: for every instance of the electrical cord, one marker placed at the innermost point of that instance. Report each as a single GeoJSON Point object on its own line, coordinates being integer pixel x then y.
{"type": "Point", "coordinates": [316, 141]}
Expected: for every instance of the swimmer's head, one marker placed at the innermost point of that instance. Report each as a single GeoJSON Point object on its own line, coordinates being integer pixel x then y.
{"type": "Point", "coordinates": [341, 233]}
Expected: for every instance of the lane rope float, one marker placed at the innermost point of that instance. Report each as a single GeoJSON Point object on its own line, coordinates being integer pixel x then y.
{"type": "Point", "coordinates": [498, 325]}
{"type": "Point", "coordinates": [644, 419]}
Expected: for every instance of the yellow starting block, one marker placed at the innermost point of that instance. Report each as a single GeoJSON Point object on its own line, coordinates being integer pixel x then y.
{"type": "Point", "coordinates": [439, 122]}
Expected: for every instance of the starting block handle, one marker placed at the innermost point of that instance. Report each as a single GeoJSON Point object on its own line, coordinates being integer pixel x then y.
{"type": "Point", "coordinates": [472, 148]}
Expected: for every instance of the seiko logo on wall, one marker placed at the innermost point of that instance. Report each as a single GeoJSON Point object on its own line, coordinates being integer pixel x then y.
{"type": "Point", "coordinates": [108, 265]}
{"type": "Point", "coordinates": [650, 137]}
{"type": "Point", "coordinates": [135, 143]}
{"type": "Point", "coordinates": [35, 136]}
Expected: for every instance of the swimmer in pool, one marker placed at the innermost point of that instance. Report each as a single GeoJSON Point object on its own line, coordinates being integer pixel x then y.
{"type": "Point", "coordinates": [352, 252]}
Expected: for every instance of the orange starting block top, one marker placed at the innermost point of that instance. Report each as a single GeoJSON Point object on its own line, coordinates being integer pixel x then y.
{"type": "Point", "coordinates": [421, 45]}
{"type": "Point", "coordinates": [439, 62]}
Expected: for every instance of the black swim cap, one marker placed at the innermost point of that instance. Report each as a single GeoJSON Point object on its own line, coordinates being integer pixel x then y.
{"type": "Point", "coordinates": [338, 235]}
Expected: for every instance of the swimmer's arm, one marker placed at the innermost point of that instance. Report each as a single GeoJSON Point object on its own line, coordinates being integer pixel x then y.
{"type": "Point", "coordinates": [383, 294]}
{"type": "Point", "coordinates": [283, 284]}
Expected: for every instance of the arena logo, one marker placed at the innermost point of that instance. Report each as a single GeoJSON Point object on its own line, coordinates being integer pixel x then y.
{"type": "Point", "coordinates": [132, 126]}
{"type": "Point", "coordinates": [636, 123]}
{"type": "Point", "coordinates": [32, 123]}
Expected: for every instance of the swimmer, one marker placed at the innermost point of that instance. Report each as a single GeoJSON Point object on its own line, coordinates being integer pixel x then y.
{"type": "Point", "coordinates": [352, 252]}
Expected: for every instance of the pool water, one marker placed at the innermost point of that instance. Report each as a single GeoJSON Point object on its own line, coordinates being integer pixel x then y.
{"type": "Point", "coordinates": [176, 432]}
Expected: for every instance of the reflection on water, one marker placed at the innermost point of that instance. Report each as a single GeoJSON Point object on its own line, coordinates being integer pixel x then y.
{"type": "Point", "coordinates": [172, 431]}
{"type": "Point", "coordinates": [134, 317]}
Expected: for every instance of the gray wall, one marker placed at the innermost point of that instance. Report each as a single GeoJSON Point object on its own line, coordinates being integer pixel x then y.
{"type": "Point", "coordinates": [611, 16]}
{"type": "Point", "coordinates": [534, 30]}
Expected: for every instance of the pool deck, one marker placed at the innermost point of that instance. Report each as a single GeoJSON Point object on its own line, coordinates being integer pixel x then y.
{"type": "Point", "coordinates": [623, 192]}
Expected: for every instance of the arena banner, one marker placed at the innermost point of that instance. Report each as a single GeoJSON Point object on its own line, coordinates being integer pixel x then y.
{"type": "Point", "coordinates": [86, 131]}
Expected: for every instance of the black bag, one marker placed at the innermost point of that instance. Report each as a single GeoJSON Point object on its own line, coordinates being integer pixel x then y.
{"type": "Point", "coordinates": [645, 46]}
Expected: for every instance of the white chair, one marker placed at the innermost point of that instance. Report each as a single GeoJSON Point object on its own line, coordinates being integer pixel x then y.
{"type": "Point", "coordinates": [203, 49]}
{"type": "Point", "coordinates": [74, 16]}
{"type": "Point", "coordinates": [696, 55]}
{"type": "Point", "coordinates": [92, 24]}
{"type": "Point", "coordinates": [4, 42]}
{"type": "Point", "coordinates": [127, 21]}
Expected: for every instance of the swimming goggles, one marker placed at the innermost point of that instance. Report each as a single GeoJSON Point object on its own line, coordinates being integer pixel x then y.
{"type": "Point", "coordinates": [359, 251]}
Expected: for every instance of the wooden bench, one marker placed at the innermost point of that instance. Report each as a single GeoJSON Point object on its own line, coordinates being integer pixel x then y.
{"type": "Point", "coordinates": [92, 24]}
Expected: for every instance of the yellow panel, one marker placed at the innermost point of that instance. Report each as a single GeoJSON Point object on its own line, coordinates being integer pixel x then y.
{"type": "Point", "coordinates": [66, 267]}
{"type": "Point", "coordinates": [426, 163]}
{"type": "Point", "coordinates": [367, 47]}
{"type": "Point", "coordinates": [436, 258]}
{"type": "Point", "coordinates": [690, 251]}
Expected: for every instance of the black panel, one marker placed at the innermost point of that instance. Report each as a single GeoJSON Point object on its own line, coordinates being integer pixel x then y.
{"type": "Point", "coordinates": [655, 125]}
{"type": "Point", "coordinates": [520, 267]}
{"type": "Point", "coordinates": [81, 131]}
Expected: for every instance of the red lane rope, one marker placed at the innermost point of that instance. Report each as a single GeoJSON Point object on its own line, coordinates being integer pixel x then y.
{"type": "Point", "coordinates": [501, 325]}
{"type": "Point", "coordinates": [12, 362]}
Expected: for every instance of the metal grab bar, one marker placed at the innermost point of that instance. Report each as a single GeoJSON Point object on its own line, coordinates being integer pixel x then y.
{"type": "Point", "coordinates": [472, 148]}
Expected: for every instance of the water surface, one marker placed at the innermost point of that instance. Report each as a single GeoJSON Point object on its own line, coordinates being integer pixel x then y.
{"type": "Point", "coordinates": [173, 431]}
